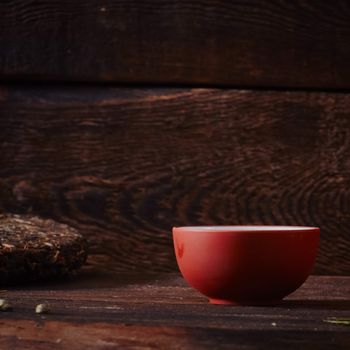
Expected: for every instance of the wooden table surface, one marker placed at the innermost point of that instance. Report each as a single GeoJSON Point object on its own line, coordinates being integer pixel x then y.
{"type": "Point", "coordinates": [134, 311]}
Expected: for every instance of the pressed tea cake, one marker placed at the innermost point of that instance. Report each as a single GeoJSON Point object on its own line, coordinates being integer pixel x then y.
{"type": "Point", "coordinates": [32, 248]}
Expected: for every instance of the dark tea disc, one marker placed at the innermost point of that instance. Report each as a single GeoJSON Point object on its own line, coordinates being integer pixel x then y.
{"type": "Point", "coordinates": [32, 248]}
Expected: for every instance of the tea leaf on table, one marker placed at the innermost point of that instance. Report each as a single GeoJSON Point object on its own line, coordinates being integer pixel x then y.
{"type": "Point", "coordinates": [5, 305]}
{"type": "Point", "coordinates": [338, 321]}
{"type": "Point", "coordinates": [42, 308]}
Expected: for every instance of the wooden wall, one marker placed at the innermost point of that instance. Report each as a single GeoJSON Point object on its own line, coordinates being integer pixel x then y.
{"type": "Point", "coordinates": [163, 143]}
{"type": "Point", "coordinates": [241, 42]}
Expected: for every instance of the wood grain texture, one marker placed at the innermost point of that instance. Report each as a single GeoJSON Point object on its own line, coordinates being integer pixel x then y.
{"type": "Point", "coordinates": [125, 165]}
{"type": "Point", "coordinates": [105, 310]}
{"type": "Point", "coordinates": [238, 43]}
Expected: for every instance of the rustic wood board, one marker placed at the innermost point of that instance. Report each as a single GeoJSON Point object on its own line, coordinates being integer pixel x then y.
{"type": "Point", "coordinates": [102, 311]}
{"type": "Point", "coordinates": [239, 43]}
{"type": "Point", "coordinates": [125, 165]}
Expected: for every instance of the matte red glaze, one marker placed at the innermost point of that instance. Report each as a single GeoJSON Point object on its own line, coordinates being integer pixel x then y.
{"type": "Point", "coordinates": [246, 264]}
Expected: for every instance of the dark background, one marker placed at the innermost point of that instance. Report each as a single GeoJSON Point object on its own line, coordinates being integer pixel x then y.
{"type": "Point", "coordinates": [125, 118]}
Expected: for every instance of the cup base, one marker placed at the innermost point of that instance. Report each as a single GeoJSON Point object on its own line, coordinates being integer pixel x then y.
{"type": "Point", "coordinates": [244, 302]}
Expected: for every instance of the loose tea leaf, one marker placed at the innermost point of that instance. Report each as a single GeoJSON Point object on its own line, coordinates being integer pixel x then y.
{"type": "Point", "coordinates": [5, 305]}
{"type": "Point", "coordinates": [339, 321]}
{"type": "Point", "coordinates": [32, 248]}
{"type": "Point", "coordinates": [42, 308]}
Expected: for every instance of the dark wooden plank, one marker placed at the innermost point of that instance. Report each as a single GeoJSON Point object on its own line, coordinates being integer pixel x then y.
{"type": "Point", "coordinates": [241, 43]}
{"type": "Point", "coordinates": [125, 165]}
{"type": "Point", "coordinates": [161, 311]}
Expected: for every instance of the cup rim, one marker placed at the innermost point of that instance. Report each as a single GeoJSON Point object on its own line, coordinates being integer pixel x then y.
{"type": "Point", "coordinates": [246, 228]}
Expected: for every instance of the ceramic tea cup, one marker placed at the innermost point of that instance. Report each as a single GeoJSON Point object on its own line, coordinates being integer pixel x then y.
{"type": "Point", "coordinates": [246, 265]}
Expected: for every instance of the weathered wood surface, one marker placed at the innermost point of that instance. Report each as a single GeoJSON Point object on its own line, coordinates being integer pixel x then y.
{"type": "Point", "coordinates": [125, 165]}
{"type": "Point", "coordinates": [239, 43]}
{"type": "Point", "coordinates": [102, 311]}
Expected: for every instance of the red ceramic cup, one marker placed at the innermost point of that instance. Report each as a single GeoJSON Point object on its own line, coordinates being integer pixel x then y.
{"type": "Point", "coordinates": [246, 265]}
